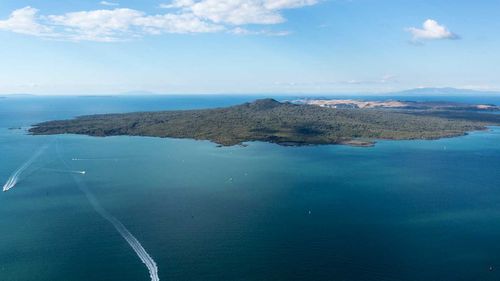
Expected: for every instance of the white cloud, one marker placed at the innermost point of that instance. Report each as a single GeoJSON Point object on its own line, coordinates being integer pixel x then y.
{"type": "Point", "coordinates": [175, 23]}
{"type": "Point", "coordinates": [25, 21]}
{"type": "Point", "coordinates": [104, 22]}
{"type": "Point", "coordinates": [106, 3]}
{"type": "Point", "coordinates": [188, 16]}
{"type": "Point", "coordinates": [387, 78]}
{"type": "Point", "coordinates": [119, 24]}
{"type": "Point", "coordinates": [431, 30]}
{"type": "Point", "coordinates": [265, 4]}
{"type": "Point", "coordinates": [240, 12]}
{"type": "Point", "coordinates": [244, 31]}
{"type": "Point", "coordinates": [177, 4]}
{"type": "Point", "coordinates": [288, 4]}
{"type": "Point", "coordinates": [236, 12]}
{"type": "Point", "coordinates": [104, 25]}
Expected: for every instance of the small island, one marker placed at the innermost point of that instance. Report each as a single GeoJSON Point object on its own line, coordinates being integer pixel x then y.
{"type": "Point", "coordinates": [283, 123]}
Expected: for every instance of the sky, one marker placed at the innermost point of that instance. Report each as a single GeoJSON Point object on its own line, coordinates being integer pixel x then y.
{"type": "Point", "coordinates": [247, 46]}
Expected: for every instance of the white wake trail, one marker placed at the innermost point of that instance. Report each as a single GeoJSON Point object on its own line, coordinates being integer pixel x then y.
{"type": "Point", "coordinates": [65, 171]}
{"type": "Point", "coordinates": [124, 232]}
{"type": "Point", "coordinates": [94, 159]}
{"type": "Point", "coordinates": [14, 178]}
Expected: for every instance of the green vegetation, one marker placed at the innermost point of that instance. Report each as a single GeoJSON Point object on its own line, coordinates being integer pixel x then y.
{"type": "Point", "coordinates": [272, 121]}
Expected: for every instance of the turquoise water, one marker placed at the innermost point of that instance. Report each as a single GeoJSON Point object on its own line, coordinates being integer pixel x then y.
{"type": "Point", "coordinates": [402, 210]}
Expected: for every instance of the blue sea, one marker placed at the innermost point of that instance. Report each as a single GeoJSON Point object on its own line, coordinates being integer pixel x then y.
{"type": "Point", "coordinates": [125, 208]}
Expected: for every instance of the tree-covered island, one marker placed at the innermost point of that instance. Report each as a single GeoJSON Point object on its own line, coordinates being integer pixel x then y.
{"type": "Point", "coordinates": [278, 122]}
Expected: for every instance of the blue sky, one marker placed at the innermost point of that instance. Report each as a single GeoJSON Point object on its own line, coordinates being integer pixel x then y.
{"type": "Point", "coordinates": [247, 46]}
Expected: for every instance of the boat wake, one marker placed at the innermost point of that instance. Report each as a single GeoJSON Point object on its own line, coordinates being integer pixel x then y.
{"type": "Point", "coordinates": [66, 171]}
{"type": "Point", "coordinates": [122, 230]}
{"type": "Point", "coordinates": [16, 176]}
{"type": "Point", "coordinates": [94, 159]}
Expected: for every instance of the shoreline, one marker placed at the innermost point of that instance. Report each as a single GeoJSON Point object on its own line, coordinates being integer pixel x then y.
{"type": "Point", "coordinates": [351, 143]}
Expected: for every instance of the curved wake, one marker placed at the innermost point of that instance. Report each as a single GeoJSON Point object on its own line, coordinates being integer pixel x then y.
{"type": "Point", "coordinates": [124, 232]}
{"type": "Point", "coordinates": [14, 178]}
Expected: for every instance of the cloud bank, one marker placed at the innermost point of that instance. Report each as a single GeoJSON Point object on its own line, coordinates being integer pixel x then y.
{"type": "Point", "coordinates": [181, 16]}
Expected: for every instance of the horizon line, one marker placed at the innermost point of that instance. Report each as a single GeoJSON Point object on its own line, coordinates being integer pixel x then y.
{"type": "Point", "coordinates": [152, 93]}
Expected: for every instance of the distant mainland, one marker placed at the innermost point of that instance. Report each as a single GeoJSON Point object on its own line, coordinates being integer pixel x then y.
{"type": "Point", "coordinates": [416, 92]}
{"type": "Point", "coordinates": [284, 123]}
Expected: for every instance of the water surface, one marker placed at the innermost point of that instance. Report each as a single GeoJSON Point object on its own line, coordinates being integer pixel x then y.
{"type": "Point", "coordinates": [402, 210]}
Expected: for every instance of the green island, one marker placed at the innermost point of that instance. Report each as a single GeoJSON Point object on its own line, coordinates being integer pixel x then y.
{"type": "Point", "coordinates": [283, 123]}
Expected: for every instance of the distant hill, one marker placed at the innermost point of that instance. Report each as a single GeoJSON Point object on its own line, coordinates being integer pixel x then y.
{"type": "Point", "coordinates": [443, 92]}
{"type": "Point", "coordinates": [18, 95]}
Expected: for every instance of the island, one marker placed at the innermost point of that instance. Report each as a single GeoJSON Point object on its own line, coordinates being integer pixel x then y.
{"type": "Point", "coordinates": [284, 123]}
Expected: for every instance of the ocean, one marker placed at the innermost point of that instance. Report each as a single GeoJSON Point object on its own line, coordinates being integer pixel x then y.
{"type": "Point", "coordinates": [128, 208]}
